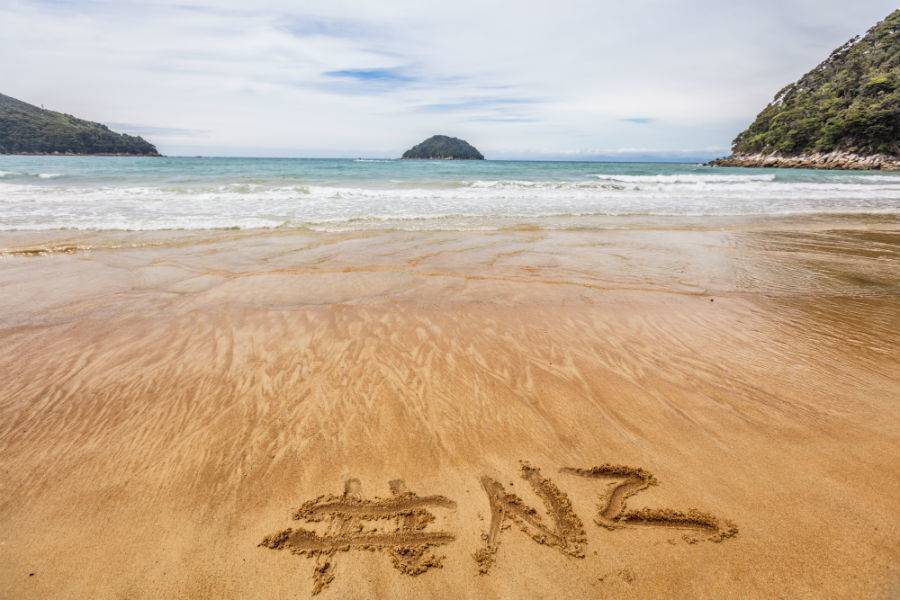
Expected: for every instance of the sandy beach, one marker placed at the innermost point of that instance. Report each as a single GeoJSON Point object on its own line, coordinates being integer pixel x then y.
{"type": "Point", "coordinates": [682, 408]}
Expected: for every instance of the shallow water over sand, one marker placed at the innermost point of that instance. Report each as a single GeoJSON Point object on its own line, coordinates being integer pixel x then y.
{"type": "Point", "coordinates": [170, 398]}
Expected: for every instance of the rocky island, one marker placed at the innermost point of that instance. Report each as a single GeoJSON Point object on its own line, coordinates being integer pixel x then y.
{"type": "Point", "coordinates": [844, 114]}
{"type": "Point", "coordinates": [28, 129]}
{"type": "Point", "coordinates": [443, 147]}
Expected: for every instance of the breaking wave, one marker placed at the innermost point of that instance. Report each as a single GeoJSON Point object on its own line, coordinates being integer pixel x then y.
{"type": "Point", "coordinates": [186, 193]}
{"type": "Point", "coordinates": [23, 175]}
{"type": "Point", "coordinates": [481, 203]}
{"type": "Point", "coordinates": [687, 178]}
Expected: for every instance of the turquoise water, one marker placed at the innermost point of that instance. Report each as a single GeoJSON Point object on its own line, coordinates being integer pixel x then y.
{"type": "Point", "coordinates": [191, 193]}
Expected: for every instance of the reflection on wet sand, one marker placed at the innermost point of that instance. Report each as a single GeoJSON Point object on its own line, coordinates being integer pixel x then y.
{"type": "Point", "coordinates": [167, 397]}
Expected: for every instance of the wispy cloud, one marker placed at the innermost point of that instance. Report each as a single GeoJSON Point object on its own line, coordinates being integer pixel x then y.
{"type": "Point", "coordinates": [137, 129]}
{"type": "Point", "coordinates": [476, 103]}
{"type": "Point", "coordinates": [486, 109]}
{"type": "Point", "coordinates": [639, 120]}
{"type": "Point", "coordinates": [503, 119]}
{"type": "Point", "coordinates": [394, 76]}
{"type": "Point", "coordinates": [312, 25]}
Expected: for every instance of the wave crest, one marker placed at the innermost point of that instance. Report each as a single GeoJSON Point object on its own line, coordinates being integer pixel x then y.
{"type": "Point", "coordinates": [687, 178]}
{"type": "Point", "coordinates": [28, 202]}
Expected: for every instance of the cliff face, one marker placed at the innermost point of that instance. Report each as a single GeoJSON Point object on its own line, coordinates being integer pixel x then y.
{"type": "Point", "coordinates": [27, 129]}
{"type": "Point", "coordinates": [845, 113]}
{"type": "Point", "coordinates": [444, 147]}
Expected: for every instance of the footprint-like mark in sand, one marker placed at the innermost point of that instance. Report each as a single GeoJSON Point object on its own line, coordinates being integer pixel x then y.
{"type": "Point", "coordinates": [613, 513]}
{"type": "Point", "coordinates": [352, 525]}
{"type": "Point", "coordinates": [565, 531]}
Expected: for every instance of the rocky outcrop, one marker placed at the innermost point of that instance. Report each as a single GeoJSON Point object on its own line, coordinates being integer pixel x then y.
{"type": "Point", "coordinates": [443, 147]}
{"type": "Point", "coordinates": [817, 160]}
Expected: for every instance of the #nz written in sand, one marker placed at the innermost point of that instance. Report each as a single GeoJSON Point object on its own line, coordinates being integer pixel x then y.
{"type": "Point", "coordinates": [399, 526]}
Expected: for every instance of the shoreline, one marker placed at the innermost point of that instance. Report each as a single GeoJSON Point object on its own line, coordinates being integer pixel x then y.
{"type": "Point", "coordinates": [16, 241]}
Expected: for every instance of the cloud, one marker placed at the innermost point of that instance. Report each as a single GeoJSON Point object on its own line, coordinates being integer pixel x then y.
{"type": "Point", "coordinates": [503, 119]}
{"type": "Point", "coordinates": [393, 76]}
{"type": "Point", "coordinates": [477, 103]}
{"type": "Point", "coordinates": [304, 26]}
{"type": "Point", "coordinates": [137, 129]}
{"type": "Point", "coordinates": [337, 77]}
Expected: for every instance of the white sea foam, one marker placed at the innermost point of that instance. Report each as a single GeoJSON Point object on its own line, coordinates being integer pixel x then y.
{"type": "Point", "coordinates": [687, 178]}
{"type": "Point", "coordinates": [25, 175]}
{"type": "Point", "coordinates": [476, 204]}
{"type": "Point", "coordinates": [98, 193]}
{"type": "Point", "coordinates": [867, 178]}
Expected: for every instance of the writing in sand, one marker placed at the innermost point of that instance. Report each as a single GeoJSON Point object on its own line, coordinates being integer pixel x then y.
{"type": "Point", "coordinates": [399, 526]}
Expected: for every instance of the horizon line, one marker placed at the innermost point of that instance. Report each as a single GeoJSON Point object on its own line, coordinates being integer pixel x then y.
{"type": "Point", "coordinates": [601, 158]}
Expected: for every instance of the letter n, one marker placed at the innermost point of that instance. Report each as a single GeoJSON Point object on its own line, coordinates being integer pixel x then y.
{"type": "Point", "coordinates": [564, 532]}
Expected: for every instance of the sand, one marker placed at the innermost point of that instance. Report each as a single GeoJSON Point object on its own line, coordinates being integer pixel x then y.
{"type": "Point", "coordinates": [685, 409]}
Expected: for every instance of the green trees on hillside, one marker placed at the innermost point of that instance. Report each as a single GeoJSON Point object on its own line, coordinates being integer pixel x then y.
{"type": "Point", "coordinates": [28, 129]}
{"type": "Point", "coordinates": [849, 102]}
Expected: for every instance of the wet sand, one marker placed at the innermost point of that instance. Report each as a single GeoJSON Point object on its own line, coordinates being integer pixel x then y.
{"type": "Point", "coordinates": [672, 409]}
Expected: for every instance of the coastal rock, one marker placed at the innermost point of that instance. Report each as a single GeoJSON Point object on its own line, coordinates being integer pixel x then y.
{"type": "Point", "coordinates": [818, 160]}
{"type": "Point", "coordinates": [443, 147]}
{"type": "Point", "coordinates": [844, 114]}
{"type": "Point", "coordinates": [28, 129]}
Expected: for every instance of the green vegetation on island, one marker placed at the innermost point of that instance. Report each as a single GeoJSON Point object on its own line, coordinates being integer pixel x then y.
{"type": "Point", "coordinates": [28, 129]}
{"type": "Point", "coordinates": [845, 113]}
{"type": "Point", "coordinates": [444, 147]}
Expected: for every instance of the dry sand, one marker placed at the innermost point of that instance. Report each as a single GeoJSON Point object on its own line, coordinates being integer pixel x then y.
{"type": "Point", "coordinates": [667, 409]}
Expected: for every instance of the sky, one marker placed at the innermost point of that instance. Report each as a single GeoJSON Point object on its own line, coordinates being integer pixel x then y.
{"type": "Point", "coordinates": [565, 79]}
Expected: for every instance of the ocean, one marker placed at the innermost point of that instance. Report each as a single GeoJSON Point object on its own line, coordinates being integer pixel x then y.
{"type": "Point", "coordinates": [115, 193]}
